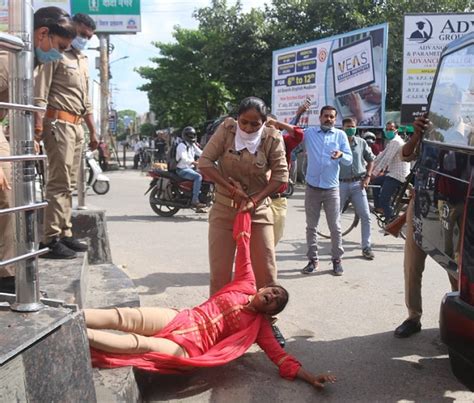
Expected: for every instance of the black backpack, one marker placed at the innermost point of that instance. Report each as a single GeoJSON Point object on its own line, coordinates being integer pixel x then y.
{"type": "Point", "coordinates": [172, 163]}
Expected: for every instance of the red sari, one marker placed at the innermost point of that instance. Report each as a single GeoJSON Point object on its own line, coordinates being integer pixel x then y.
{"type": "Point", "coordinates": [217, 331]}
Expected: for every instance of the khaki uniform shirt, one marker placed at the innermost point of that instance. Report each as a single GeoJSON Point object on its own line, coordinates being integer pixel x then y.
{"type": "Point", "coordinates": [3, 92]}
{"type": "Point", "coordinates": [249, 169]}
{"type": "Point", "coordinates": [64, 84]}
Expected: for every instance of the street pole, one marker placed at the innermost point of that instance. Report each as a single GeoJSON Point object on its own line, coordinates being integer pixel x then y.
{"type": "Point", "coordinates": [104, 87]}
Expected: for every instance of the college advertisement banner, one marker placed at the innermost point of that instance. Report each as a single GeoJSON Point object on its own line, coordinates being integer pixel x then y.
{"type": "Point", "coordinates": [425, 36]}
{"type": "Point", "coordinates": [347, 71]}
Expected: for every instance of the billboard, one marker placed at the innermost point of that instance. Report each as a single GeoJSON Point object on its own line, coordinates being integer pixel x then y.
{"type": "Point", "coordinates": [425, 36]}
{"type": "Point", "coordinates": [111, 16]}
{"type": "Point", "coordinates": [347, 71]}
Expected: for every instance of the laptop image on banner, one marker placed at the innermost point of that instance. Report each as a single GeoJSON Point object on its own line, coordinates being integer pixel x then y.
{"type": "Point", "coordinates": [353, 72]}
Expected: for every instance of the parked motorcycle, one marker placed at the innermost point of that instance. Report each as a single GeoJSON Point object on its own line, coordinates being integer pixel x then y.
{"type": "Point", "coordinates": [96, 179]}
{"type": "Point", "coordinates": [170, 193]}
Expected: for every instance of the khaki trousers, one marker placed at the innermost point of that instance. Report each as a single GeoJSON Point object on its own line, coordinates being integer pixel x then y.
{"type": "Point", "coordinates": [222, 249]}
{"type": "Point", "coordinates": [279, 207]}
{"type": "Point", "coordinates": [140, 324]}
{"type": "Point", "coordinates": [63, 144]}
{"type": "Point", "coordinates": [7, 227]}
{"type": "Point", "coordinates": [414, 265]}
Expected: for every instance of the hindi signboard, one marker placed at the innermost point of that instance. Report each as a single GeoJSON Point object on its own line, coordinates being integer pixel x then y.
{"type": "Point", "coordinates": [111, 16]}
{"type": "Point", "coordinates": [347, 71]}
{"type": "Point", "coordinates": [425, 36]}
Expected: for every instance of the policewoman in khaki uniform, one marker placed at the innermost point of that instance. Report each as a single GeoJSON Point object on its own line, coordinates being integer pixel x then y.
{"type": "Point", "coordinates": [63, 87]}
{"type": "Point", "coordinates": [245, 151]}
{"type": "Point", "coordinates": [53, 33]}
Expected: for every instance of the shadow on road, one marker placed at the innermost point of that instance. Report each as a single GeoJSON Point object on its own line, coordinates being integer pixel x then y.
{"type": "Point", "coordinates": [154, 218]}
{"type": "Point", "coordinates": [157, 283]}
{"type": "Point", "coordinates": [394, 369]}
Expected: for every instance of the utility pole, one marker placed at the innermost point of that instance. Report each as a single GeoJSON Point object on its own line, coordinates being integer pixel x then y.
{"type": "Point", "coordinates": [104, 87]}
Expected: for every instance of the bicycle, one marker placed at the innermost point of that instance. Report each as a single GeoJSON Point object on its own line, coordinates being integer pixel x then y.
{"type": "Point", "coordinates": [350, 219]}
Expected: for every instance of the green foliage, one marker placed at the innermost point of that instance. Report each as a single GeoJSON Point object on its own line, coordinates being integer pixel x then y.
{"type": "Point", "coordinates": [147, 130]}
{"type": "Point", "coordinates": [229, 56]}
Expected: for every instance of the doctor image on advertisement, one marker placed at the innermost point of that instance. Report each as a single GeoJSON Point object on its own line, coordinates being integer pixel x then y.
{"type": "Point", "coordinates": [354, 76]}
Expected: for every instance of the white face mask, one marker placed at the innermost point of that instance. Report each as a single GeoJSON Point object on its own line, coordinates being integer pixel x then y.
{"type": "Point", "coordinates": [250, 141]}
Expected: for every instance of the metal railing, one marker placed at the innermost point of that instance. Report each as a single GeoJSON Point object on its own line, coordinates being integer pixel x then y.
{"type": "Point", "coordinates": [20, 44]}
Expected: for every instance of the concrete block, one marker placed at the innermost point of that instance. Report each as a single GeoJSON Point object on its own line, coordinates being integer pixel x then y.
{"type": "Point", "coordinates": [51, 361]}
{"type": "Point", "coordinates": [91, 226]}
{"type": "Point", "coordinates": [110, 286]}
{"type": "Point", "coordinates": [65, 280]}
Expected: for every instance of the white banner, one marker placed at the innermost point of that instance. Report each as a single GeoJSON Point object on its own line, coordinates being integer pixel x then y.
{"type": "Point", "coordinates": [346, 71]}
{"type": "Point", "coordinates": [425, 36]}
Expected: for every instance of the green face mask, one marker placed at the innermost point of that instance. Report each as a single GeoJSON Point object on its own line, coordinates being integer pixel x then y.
{"type": "Point", "coordinates": [389, 134]}
{"type": "Point", "coordinates": [350, 131]}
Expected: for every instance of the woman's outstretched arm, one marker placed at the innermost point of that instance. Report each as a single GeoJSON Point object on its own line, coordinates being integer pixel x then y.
{"type": "Point", "coordinates": [243, 263]}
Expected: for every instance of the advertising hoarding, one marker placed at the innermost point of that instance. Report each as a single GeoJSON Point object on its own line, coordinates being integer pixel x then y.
{"type": "Point", "coordinates": [347, 71]}
{"type": "Point", "coordinates": [425, 36]}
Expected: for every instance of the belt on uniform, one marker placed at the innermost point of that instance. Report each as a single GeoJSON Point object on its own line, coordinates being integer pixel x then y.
{"type": "Point", "coordinates": [277, 195]}
{"type": "Point", "coordinates": [226, 201]}
{"type": "Point", "coordinates": [352, 179]}
{"type": "Point", "coordinates": [63, 115]}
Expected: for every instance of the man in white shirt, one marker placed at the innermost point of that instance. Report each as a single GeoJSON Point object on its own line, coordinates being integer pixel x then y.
{"type": "Point", "coordinates": [186, 154]}
{"type": "Point", "coordinates": [396, 170]}
{"type": "Point", "coordinates": [137, 149]}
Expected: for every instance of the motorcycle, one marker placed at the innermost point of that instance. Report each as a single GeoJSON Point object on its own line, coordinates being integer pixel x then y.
{"type": "Point", "coordinates": [96, 179]}
{"type": "Point", "coordinates": [170, 193]}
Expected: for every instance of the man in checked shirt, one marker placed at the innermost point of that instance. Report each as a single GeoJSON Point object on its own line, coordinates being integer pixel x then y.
{"type": "Point", "coordinates": [395, 169]}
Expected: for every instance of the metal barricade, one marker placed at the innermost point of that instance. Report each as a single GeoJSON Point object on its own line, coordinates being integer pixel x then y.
{"type": "Point", "coordinates": [20, 44]}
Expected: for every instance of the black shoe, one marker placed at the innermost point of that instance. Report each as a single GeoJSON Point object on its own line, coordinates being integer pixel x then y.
{"type": "Point", "coordinates": [7, 284]}
{"type": "Point", "coordinates": [198, 205]}
{"type": "Point", "coordinates": [337, 267]}
{"type": "Point", "coordinates": [74, 244]}
{"type": "Point", "coordinates": [407, 328]}
{"type": "Point", "coordinates": [310, 268]}
{"type": "Point", "coordinates": [57, 250]}
{"type": "Point", "coordinates": [278, 336]}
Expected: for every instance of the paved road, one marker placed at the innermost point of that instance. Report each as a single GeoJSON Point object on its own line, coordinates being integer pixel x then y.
{"type": "Point", "coordinates": [338, 324]}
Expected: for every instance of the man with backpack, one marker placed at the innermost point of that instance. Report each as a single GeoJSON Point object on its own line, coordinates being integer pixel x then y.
{"type": "Point", "coordinates": [187, 152]}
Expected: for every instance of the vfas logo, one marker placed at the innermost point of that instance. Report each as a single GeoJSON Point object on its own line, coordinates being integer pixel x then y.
{"type": "Point", "coordinates": [422, 35]}
{"type": "Point", "coordinates": [355, 62]}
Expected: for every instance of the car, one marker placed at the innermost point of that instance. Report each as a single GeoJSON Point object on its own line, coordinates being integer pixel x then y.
{"type": "Point", "coordinates": [444, 197]}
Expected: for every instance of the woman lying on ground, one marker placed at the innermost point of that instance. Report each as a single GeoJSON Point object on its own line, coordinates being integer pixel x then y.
{"type": "Point", "coordinates": [214, 333]}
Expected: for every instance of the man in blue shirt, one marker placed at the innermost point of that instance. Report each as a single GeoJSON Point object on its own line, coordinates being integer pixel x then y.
{"type": "Point", "coordinates": [326, 148]}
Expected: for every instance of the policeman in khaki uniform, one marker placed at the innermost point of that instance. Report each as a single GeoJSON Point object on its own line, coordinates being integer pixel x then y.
{"type": "Point", "coordinates": [53, 33]}
{"type": "Point", "coordinates": [6, 221]}
{"type": "Point", "coordinates": [63, 87]}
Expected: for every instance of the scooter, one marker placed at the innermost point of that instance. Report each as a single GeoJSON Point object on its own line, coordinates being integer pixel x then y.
{"type": "Point", "coordinates": [96, 179]}
{"type": "Point", "coordinates": [169, 192]}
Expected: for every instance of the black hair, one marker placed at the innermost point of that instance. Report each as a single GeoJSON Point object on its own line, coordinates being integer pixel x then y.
{"type": "Point", "coordinates": [283, 301]}
{"type": "Point", "coordinates": [253, 103]}
{"type": "Point", "coordinates": [391, 122]}
{"type": "Point", "coordinates": [85, 19]}
{"type": "Point", "coordinates": [327, 108]}
{"type": "Point", "coordinates": [349, 120]}
{"type": "Point", "coordinates": [56, 20]}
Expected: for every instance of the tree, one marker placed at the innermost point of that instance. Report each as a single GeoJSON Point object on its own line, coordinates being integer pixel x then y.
{"type": "Point", "coordinates": [229, 56]}
{"type": "Point", "coordinates": [147, 130]}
